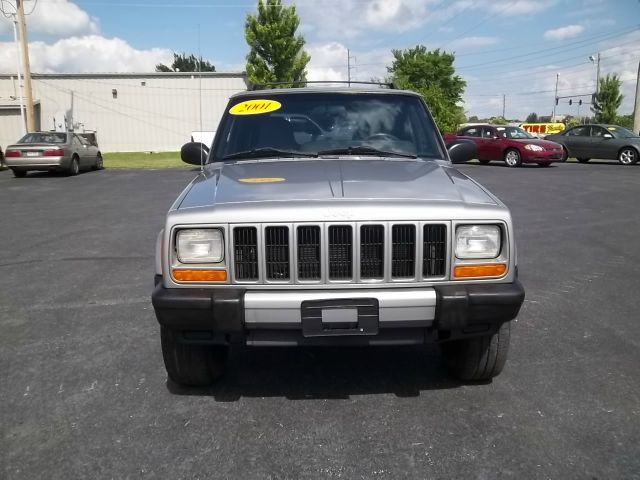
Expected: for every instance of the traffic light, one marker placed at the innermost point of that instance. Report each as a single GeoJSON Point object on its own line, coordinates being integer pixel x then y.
{"type": "Point", "coordinates": [570, 101]}
{"type": "Point", "coordinates": [580, 102]}
{"type": "Point", "coordinates": [556, 100]}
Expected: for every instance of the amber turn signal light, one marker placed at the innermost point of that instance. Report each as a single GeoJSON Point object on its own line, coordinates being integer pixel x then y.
{"type": "Point", "coordinates": [477, 271]}
{"type": "Point", "coordinates": [184, 275]}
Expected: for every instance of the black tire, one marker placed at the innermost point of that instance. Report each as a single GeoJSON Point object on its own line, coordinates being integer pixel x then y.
{"type": "Point", "coordinates": [99, 163]}
{"type": "Point", "coordinates": [565, 155]}
{"type": "Point", "coordinates": [19, 173]}
{"type": "Point", "coordinates": [74, 167]}
{"type": "Point", "coordinates": [484, 162]}
{"type": "Point", "coordinates": [478, 358]}
{"type": "Point", "coordinates": [191, 365]}
{"type": "Point", "coordinates": [583, 160]}
{"type": "Point", "coordinates": [628, 156]}
{"type": "Point", "coordinates": [512, 158]}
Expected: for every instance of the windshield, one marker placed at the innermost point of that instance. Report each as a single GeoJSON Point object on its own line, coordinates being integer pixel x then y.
{"type": "Point", "coordinates": [622, 132]}
{"type": "Point", "coordinates": [44, 137]}
{"type": "Point", "coordinates": [515, 132]}
{"type": "Point", "coordinates": [330, 124]}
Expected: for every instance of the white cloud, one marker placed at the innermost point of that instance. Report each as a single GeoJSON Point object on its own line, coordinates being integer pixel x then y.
{"type": "Point", "coordinates": [352, 18]}
{"type": "Point", "coordinates": [563, 33]}
{"type": "Point", "coordinates": [472, 42]}
{"type": "Point", "coordinates": [90, 53]}
{"type": "Point", "coordinates": [521, 7]}
{"type": "Point", "coordinates": [329, 62]}
{"type": "Point", "coordinates": [57, 18]}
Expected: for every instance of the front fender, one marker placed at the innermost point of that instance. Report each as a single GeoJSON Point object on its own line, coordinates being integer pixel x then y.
{"type": "Point", "coordinates": [159, 252]}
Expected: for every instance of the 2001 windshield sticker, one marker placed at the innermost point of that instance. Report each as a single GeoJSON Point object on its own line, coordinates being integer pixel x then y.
{"type": "Point", "coordinates": [255, 107]}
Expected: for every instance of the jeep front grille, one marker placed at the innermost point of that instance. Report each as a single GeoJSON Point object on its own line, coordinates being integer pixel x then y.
{"type": "Point", "coordinates": [340, 252]}
{"type": "Point", "coordinates": [245, 253]}
{"type": "Point", "coordinates": [276, 252]}
{"type": "Point", "coordinates": [325, 253]}
{"type": "Point", "coordinates": [403, 251]}
{"type": "Point", "coordinates": [309, 255]}
{"type": "Point", "coordinates": [434, 250]}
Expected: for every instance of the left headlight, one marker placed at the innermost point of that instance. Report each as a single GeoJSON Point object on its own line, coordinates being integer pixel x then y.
{"type": "Point", "coordinates": [533, 148]}
{"type": "Point", "coordinates": [477, 241]}
{"type": "Point", "coordinates": [200, 246]}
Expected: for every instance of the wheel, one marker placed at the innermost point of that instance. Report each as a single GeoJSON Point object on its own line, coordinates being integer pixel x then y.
{"type": "Point", "coordinates": [192, 365]}
{"type": "Point", "coordinates": [19, 173]}
{"type": "Point", "coordinates": [583, 160]}
{"type": "Point", "coordinates": [512, 158]}
{"type": "Point", "coordinates": [628, 156]}
{"type": "Point", "coordinates": [484, 162]}
{"type": "Point", "coordinates": [544, 164]}
{"type": "Point", "coordinates": [99, 163]}
{"type": "Point", "coordinates": [74, 167]}
{"type": "Point", "coordinates": [478, 358]}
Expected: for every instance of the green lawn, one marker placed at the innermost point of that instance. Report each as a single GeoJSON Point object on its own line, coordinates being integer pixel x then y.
{"type": "Point", "coordinates": [144, 160]}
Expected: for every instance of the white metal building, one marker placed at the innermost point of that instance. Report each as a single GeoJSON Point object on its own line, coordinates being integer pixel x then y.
{"type": "Point", "coordinates": [129, 111]}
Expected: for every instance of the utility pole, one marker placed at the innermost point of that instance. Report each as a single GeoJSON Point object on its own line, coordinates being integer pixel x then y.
{"type": "Point", "coordinates": [23, 125]}
{"type": "Point", "coordinates": [504, 101]}
{"type": "Point", "coordinates": [636, 109]}
{"type": "Point", "coordinates": [22, 27]}
{"type": "Point", "coordinates": [349, 67]}
{"type": "Point", "coordinates": [598, 74]}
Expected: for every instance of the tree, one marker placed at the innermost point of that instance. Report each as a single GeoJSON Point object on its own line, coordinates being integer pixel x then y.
{"type": "Point", "coordinates": [276, 53]}
{"type": "Point", "coordinates": [532, 118]}
{"type": "Point", "coordinates": [625, 121]}
{"type": "Point", "coordinates": [498, 121]}
{"type": "Point", "coordinates": [186, 63]}
{"type": "Point", "coordinates": [473, 119]}
{"type": "Point", "coordinates": [571, 121]}
{"type": "Point", "coordinates": [608, 99]}
{"type": "Point", "coordinates": [432, 74]}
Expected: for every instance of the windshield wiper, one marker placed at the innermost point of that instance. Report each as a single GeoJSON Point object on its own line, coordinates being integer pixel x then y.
{"type": "Point", "coordinates": [364, 150]}
{"type": "Point", "coordinates": [267, 152]}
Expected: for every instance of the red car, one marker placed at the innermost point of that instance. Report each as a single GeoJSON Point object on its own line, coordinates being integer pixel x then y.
{"type": "Point", "coordinates": [512, 145]}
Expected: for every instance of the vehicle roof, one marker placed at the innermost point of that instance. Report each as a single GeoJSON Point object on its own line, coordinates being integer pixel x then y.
{"type": "Point", "coordinates": [325, 90]}
{"type": "Point", "coordinates": [489, 125]}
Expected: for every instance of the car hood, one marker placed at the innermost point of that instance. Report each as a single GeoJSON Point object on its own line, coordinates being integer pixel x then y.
{"type": "Point", "coordinates": [308, 180]}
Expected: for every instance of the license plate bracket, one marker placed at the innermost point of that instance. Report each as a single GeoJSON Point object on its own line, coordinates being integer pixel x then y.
{"type": "Point", "coordinates": [340, 317]}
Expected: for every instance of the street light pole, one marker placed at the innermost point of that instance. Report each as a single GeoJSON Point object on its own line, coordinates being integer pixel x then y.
{"type": "Point", "coordinates": [22, 27]}
{"type": "Point", "coordinates": [23, 125]}
{"type": "Point", "coordinates": [555, 99]}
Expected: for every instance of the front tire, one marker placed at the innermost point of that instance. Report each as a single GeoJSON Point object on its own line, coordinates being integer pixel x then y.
{"type": "Point", "coordinates": [512, 158]}
{"type": "Point", "coordinates": [628, 156]}
{"type": "Point", "coordinates": [19, 173]}
{"type": "Point", "coordinates": [191, 365]}
{"type": "Point", "coordinates": [583, 160]}
{"type": "Point", "coordinates": [478, 358]}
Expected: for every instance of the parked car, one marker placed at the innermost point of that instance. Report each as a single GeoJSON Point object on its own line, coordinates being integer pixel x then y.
{"type": "Point", "coordinates": [334, 217]}
{"type": "Point", "coordinates": [609, 142]}
{"type": "Point", "coordinates": [52, 151]}
{"type": "Point", "coordinates": [513, 145]}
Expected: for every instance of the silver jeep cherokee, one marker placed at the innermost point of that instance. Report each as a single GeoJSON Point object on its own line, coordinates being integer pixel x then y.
{"type": "Point", "coordinates": [333, 216]}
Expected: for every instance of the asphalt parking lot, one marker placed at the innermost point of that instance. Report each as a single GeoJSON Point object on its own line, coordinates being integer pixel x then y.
{"type": "Point", "coordinates": [84, 392]}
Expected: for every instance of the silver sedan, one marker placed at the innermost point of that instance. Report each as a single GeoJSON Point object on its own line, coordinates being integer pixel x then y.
{"type": "Point", "coordinates": [52, 151]}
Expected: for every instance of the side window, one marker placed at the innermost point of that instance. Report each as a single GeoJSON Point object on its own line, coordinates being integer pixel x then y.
{"type": "Point", "coordinates": [471, 132]}
{"type": "Point", "coordinates": [598, 132]}
{"type": "Point", "coordinates": [76, 141]}
{"type": "Point", "coordinates": [579, 132]}
{"type": "Point", "coordinates": [488, 132]}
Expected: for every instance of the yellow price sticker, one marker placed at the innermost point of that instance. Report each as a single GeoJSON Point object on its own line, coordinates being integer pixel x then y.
{"type": "Point", "coordinates": [255, 107]}
{"type": "Point", "coordinates": [261, 180]}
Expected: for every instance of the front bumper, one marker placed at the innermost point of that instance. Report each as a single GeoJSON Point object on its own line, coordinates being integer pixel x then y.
{"type": "Point", "coordinates": [546, 156]}
{"type": "Point", "coordinates": [416, 315]}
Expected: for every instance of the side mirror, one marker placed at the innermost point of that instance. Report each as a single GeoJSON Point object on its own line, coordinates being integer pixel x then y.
{"type": "Point", "coordinates": [461, 151]}
{"type": "Point", "coordinates": [607, 135]}
{"type": "Point", "coordinates": [194, 153]}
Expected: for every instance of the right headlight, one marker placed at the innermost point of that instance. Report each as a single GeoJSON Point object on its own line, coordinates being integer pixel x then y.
{"type": "Point", "coordinates": [202, 245]}
{"type": "Point", "coordinates": [477, 241]}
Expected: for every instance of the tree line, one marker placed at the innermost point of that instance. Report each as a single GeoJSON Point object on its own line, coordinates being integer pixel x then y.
{"type": "Point", "coordinates": [277, 59]}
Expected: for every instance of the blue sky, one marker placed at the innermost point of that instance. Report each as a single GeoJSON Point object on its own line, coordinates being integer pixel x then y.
{"type": "Point", "coordinates": [514, 48]}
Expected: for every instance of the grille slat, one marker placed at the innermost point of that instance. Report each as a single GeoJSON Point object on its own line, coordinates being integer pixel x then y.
{"type": "Point", "coordinates": [276, 253]}
{"type": "Point", "coordinates": [245, 253]}
{"type": "Point", "coordinates": [372, 252]}
{"type": "Point", "coordinates": [340, 252]}
{"type": "Point", "coordinates": [434, 253]}
{"type": "Point", "coordinates": [309, 253]}
{"type": "Point", "coordinates": [403, 251]}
